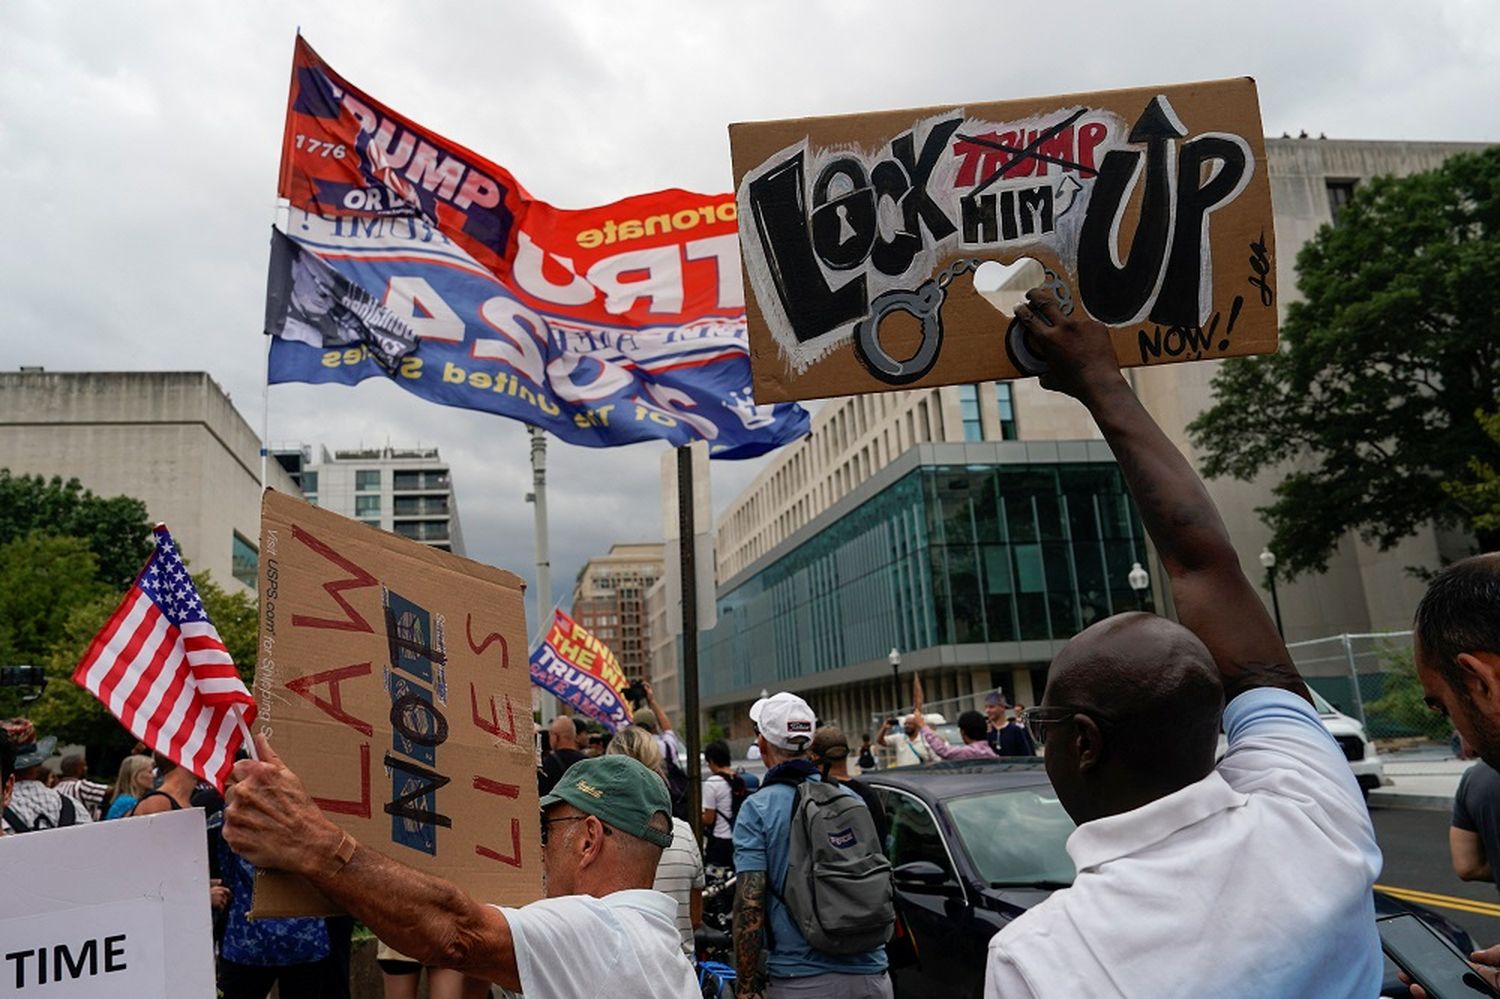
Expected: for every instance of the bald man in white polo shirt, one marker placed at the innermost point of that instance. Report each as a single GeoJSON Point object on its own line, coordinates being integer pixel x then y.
{"type": "Point", "coordinates": [1252, 876]}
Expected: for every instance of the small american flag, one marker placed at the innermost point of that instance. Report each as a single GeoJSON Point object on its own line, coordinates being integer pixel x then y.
{"type": "Point", "coordinates": [160, 667]}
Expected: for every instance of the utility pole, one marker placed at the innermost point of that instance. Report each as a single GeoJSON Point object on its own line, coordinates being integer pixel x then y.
{"type": "Point", "coordinates": [688, 560]}
{"type": "Point", "coordinates": [538, 499]}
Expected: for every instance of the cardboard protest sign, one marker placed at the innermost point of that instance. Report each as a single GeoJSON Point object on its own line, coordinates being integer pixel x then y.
{"type": "Point", "coordinates": [864, 236]}
{"type": "Point", "coordinates": [385, 681]}
{"type": "Point", "coordinates": [89, 912]}
{"type": "Point", "coordinates": [582, 671]}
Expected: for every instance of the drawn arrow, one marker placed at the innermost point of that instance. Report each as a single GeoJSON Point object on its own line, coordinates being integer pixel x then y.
{"type": "Point", "coordinates": [1069, 189]}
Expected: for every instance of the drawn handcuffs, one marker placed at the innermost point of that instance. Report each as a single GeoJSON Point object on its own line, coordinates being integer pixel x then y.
{"type": "Point", "coordinates": [925, 303]}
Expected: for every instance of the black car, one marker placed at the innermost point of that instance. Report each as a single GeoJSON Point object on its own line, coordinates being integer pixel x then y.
{"type": "Point", "coordinates": [975, 844]}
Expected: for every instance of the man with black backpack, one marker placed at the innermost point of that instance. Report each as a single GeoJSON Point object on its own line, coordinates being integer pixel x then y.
{"type": "Point", "coordinates": [813, 887]}
{"type": "Point", "coordinates": [33, 805]}
{"type": "Point", "coordinates": [724, 791]}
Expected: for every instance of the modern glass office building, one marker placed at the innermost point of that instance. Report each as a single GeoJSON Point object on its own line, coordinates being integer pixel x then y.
{"type": "Point", "coordinates": [974, 562]}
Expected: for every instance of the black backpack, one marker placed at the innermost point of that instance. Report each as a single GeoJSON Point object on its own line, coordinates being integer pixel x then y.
{"type": "Point", "coordinates": [677, 786]}
{"type": "Point", "coordinates": [738, 792]}
{"type": "Point", "coordinates": [67, 817]}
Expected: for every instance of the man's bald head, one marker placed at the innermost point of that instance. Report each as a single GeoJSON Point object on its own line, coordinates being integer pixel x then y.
{"type": "Point", "coordinates": [562, 733]}
{"type": "Point", "coordinates": [1147, 692]}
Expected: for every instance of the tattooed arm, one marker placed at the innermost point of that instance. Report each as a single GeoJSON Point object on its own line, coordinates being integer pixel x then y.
{"type": "Point", "coordinates": [1214, 599]}
{"type": "Point", "coordinates": [749, 933]}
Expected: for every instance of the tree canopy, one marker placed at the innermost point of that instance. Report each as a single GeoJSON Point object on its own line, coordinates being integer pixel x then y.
{"type": "Point", "coordinates": [116, 529]}
{"type": "Point", "coordinates": [1370, 405]}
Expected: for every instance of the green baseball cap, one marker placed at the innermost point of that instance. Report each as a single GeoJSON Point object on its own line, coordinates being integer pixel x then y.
{"type": "Point", "coordinates": [619, 792]}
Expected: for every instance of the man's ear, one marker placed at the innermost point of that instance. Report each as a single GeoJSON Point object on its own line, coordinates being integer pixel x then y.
{"type": "Point", "coordinates": [590, 841]}
{"type": "Point", "coordinates": [1481, 672]}
{"type": "Point", "coordinates": [10, 785]}
{"type": "Point", "coordinates": [1088, 743]}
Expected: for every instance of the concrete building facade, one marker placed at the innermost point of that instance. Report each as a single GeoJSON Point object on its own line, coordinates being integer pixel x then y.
{"type": "Point", "coordinates": [170, 439]}
{"type": "Point", "coordinates": [609, 599]}
{"type": "Point", "coordinates": [857, 441]}
{"type": "Point", "coordinates": [407, 491]}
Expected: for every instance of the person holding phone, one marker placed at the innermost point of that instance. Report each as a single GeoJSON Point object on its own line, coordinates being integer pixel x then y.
{"type": "Point", "coordinates": [1192, 875]}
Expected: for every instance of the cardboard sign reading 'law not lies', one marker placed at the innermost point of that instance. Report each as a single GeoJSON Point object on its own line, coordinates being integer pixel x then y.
{"type": "Point", "coordinates": [864, 236]}
{"type": "Point", "coordinates": [393, 680]}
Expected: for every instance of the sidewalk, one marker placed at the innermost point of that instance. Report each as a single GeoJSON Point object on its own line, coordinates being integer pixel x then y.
{"type": "Point", "coordinates": [1420, 779]}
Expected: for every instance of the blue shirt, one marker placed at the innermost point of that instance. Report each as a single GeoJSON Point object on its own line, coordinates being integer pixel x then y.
{"type": "Point", "coordinates": [763, 842]}
{"type": "Point", "coordinates": [120, 807]}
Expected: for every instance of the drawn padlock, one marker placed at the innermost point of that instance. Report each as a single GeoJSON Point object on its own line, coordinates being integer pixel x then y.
{"type": "Point", "coordinates": [843, 227]}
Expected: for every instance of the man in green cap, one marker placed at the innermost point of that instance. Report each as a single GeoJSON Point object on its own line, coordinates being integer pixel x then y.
{"type": "Point", "coordinates": [600, 929]}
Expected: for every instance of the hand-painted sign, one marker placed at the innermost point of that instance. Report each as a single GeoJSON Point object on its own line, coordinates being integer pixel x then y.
{"type": "Point", "coordinates": [385, 681]}
{"type": "Point", "coordinates": [1148, 209]}
{"type": "Point", "coordinates": [604, 326]}
{"type": "Point", "coordinates": [581, 670]}
{"type": "Point", "coordinates": [78, 923]}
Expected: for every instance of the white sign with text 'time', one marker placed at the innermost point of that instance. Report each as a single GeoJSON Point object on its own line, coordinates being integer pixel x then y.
{"type": "Point", "coordinates": [88, 911]}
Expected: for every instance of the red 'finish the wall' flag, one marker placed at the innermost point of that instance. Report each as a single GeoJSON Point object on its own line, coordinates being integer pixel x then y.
{"type": "Point", "coordinates": [161, 668]}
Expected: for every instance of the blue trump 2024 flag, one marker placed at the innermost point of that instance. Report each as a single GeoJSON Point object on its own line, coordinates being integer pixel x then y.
{"type": "Point", "coordinates": [603, 326]}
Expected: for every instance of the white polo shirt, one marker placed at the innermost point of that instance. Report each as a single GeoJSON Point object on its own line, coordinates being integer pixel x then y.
{"type": "Point", "coordinates": [579, 947]}
{"type": "Point", "coordinates": [1254, 880]}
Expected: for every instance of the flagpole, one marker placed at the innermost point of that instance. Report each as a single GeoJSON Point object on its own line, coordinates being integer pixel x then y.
{"type": "Point", "coordinates": [249, 743]}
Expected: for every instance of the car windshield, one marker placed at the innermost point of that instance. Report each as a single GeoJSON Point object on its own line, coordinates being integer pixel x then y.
{"type": "Point", "coordinates": [1015, 837]}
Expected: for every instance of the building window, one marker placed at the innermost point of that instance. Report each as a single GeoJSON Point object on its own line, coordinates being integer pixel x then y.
{"type": "Point", "coordinates": [968, 408]}
{"type": "Point", "coordinates": [310, 482]}
{"type": "Point", "coordinates": [367, 481]}
{"type": "Point", "coordinates": [366, 506]}
{"type": "Point", "coordinates": [1007, 403]}
{"type": "Point", "coordinates": [1339, 193]}
{"type": "Point", "coordinates": [244, 561]}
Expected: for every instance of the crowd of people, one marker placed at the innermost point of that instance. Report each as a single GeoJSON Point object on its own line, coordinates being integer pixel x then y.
{"type": "Point", "coordinates": [1179, 853]}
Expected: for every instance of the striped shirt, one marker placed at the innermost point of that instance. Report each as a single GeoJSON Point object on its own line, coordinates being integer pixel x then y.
{"type": "Point", "coordinates": [81, 789]}
{"type": "Point", "coordinates": [680, 871]}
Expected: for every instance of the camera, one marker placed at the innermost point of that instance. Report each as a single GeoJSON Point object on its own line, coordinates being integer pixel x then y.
{"type": "Point", "coordinates": [24, 676]}
{"type": "Point", "coordinates": [635, 693]}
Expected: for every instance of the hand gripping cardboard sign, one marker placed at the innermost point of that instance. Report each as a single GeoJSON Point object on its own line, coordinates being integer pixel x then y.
{"type": "Point", "coordinates": [392, 678]}
{"type": "Point", "coordinates": [867, 239]}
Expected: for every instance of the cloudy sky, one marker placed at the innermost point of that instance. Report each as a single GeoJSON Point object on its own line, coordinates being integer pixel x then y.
{"type": "Point", "coordinates": [139, 144]}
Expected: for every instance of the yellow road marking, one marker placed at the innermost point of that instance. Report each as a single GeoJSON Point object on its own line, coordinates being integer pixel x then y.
{"type": "Point", "coordinates": [1442, 901]}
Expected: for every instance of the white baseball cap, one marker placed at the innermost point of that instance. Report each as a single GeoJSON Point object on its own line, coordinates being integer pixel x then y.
{"type": "Point", "coordinates": [785, 720]}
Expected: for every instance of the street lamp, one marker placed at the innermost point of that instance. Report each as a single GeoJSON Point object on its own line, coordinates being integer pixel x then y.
{"type": "Point", "coordinates": [895, 660]}
{"type": "Point", "coordinates": [1140, 582]}
{"type": "Point", "coordinates": [1268, 562]}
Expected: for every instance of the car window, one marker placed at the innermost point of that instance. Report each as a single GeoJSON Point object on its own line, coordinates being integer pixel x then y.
{"type": "Point", "coordinates": [1015, 837]}
{"type": "Point", "coordinates": [913, 833]}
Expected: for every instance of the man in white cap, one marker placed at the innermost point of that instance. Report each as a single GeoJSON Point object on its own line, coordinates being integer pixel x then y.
{"type": "Point", "coordinates": [784, 726]}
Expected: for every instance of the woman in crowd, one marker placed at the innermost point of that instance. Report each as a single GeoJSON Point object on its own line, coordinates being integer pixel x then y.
{"type": "Point", "coordinates": [134, 780]}
{"type": "Point", "coordinates": [680, 872]}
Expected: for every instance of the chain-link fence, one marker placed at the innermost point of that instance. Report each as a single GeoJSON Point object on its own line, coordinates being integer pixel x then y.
{"type": "Point", "coordinates": [1371, 678]}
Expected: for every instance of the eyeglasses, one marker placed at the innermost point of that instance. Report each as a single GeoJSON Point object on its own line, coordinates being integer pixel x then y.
{"type": "Point", "coordinates": [569, 818]}
{"type": "Point", "coordinates": [1036, 719]}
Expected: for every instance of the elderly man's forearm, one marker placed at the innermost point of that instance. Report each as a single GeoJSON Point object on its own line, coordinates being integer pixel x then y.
{"type": "Point", "coordinates": [423, 916]}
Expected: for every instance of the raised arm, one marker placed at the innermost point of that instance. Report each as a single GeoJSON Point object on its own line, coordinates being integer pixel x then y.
{"type": "Point", "coordinates": [271, 821]}
{"type": "Point", "coordinates": [1214, 599]}
{"type": "Point", "coordinates": [661, 716]}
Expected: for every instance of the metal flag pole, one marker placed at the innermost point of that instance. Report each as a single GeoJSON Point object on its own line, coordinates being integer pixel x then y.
{"type": "Point", "coordinates": [687, 548]}
{"type": "Point", "coordinates": [538, 498]}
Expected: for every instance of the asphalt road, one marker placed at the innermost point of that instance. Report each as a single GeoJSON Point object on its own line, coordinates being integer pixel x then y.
{"type": "Point", "coordinates": [1415, 844]}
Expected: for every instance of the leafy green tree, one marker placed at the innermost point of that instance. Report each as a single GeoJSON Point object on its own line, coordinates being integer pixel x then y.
{"type": "Point", "coordinates": [1369, 405]}
{"type": "Point", "coordinates": [116, 529]}
{"type": "Point", "coordinates": [1479, 494]}
{"type": "Point", "coordinates": [42, 578]}
{"type": "Point", "coordinates": [1402, 706]}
